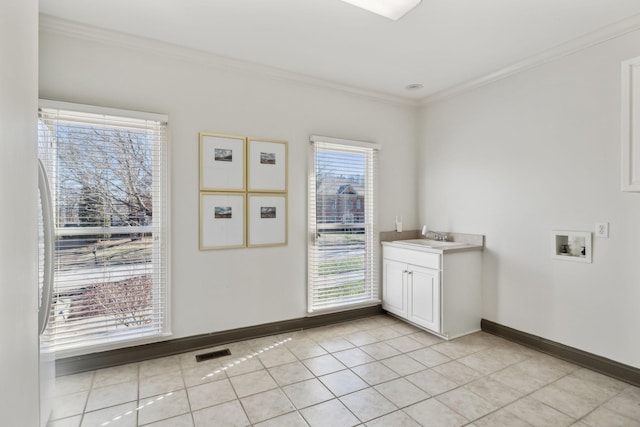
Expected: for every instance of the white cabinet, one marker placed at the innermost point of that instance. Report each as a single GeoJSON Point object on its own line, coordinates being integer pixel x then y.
{"type": "Point", "coordinates": [424, 297]}
{"type": "Point", "coordinates": [434, 289]}
{"type": "Point", "coordinates": [394, 289]}
{"type": "Point", "coordinates": [412, 292]}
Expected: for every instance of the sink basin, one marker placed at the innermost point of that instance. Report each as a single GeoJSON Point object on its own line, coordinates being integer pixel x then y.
{"type": "Point", "coordinates": [435, 244]}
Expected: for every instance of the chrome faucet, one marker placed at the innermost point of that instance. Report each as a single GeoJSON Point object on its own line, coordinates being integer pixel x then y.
{"type": "Point", "coordinates": [441, 237]}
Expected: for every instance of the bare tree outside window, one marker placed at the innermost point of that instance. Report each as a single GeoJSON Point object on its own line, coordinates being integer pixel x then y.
{"type": "Point", "coordinates": [107, 175]}
{"type": "Point", "coordinates": [104, 193]}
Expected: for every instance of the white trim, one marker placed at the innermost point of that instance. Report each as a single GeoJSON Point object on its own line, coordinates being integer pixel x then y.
{"type": "Point", "coordinates": [101, 345]}
{"type": "Point", "coordinates": [88, 231]}
{"type": "Point", "coordinates": [76, 30]}
{"type": "Point", "coordinates": [588, 40]}
{"type": "Point", "coordinates": [349, 142]}
{"type": "Point", "coordinates": [629, 158]}
{"type": "Point", "coordinates": [161, 221]}
{"type": "Point", "coordinates": [322, 296]}
{"type": "Point", "coordinates": [341, 308]}
{"type": "Point", "coordinates": [107, 111]}
{"type": "Point", "coordinates": [85, 32]}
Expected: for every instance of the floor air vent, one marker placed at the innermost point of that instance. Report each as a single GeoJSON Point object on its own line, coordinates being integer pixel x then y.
{"type": "Point", "coordinates": [212, 355]}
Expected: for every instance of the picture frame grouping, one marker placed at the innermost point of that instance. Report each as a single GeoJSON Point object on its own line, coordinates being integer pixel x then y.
{"type": "Point", "coordinates": [243, 191]}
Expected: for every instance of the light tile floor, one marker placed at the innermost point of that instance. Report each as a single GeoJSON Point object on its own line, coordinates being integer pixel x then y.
{"type": "Point", "coordinates": [372, 372]}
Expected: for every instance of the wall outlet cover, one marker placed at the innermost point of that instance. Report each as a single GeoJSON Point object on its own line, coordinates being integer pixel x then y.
{"type": "Point", "coordinates": [602, 229]}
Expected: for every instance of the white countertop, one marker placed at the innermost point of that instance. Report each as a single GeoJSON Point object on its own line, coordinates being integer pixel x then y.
{"type": "Point", "coordinates": [434, 246]}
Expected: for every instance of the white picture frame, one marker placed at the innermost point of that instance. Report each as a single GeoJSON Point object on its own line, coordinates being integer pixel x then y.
{"type": "Point", "coordinates": [267, 165]}
{"type": "Point", "coordinates": [267, 219]}
{"type": "Point", "coordinates": [222, 220]}
{"type": "Point", "coordinates": [222, 162]}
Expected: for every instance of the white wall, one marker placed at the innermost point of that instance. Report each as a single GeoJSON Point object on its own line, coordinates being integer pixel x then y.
{"type": "Point", "coordinates": [221, 290]}
{"type": "Point", "coordinates": [512, 160]}
{"type": "Point", "coordinates": [528, 154]}
{"type": "Point", "coordinates": [18, 195]}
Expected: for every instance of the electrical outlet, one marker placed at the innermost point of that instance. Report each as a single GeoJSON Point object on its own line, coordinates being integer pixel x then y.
{"type": "Point", "coordinates": [602, 229]}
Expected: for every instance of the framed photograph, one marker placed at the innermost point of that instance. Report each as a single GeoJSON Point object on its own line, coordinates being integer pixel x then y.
{"type": "Point", "coordinates": [267, 218]}
{"type": "Point", "coordinates": [222, 220]}
{"type": "Point", "coordinates": [222, 162]}
{"type": "Point", "coordinates": [267, 165]}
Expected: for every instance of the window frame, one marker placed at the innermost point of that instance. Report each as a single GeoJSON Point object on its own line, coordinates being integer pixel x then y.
{"type": "Point", "coordinates": [371, 294]}
{"type": "Point", "coordinates": [159, 228]}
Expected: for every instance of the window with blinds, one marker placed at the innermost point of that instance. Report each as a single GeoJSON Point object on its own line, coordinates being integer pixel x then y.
{"type": "Point", "coordinates": [107, 170]}
{"type": "Point", "coordinates": [343, 239]}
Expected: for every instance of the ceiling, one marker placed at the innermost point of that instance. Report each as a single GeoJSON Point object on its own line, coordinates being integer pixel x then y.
{"type": "Point", "coordinates": [440, 44]}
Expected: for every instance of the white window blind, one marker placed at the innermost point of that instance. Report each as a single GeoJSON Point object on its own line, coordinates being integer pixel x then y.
{"type": "Point", "coordinates": [107, 171]}
{"type": "Point", "coordinates": [343, 236]}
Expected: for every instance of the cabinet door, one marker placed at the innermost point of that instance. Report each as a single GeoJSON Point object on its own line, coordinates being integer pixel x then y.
{"type": "Point", "coordinates": [394, 287]}
{"type": "Point", "coordinates": [424, 297]}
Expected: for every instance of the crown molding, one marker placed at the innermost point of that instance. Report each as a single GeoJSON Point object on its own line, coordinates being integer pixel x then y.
{"type": "Point", "coordinates": [588, 40]}
{"type": "Point", "coordinates": [53, 25]}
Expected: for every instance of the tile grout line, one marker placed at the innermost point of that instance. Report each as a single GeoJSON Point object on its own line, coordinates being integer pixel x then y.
{"type": "Point", "coordinates": [86, 402]}
{"type": "Point", "coordinates": [185, 387]}
{"type": "Point", "coordinates": [601, 405]}
{"type": "Point", "coordinates": [369, 386]}
{"type": "Point", "coordinates": [186, 391]}
{"type": "Point", "coordinates": [326, 335]}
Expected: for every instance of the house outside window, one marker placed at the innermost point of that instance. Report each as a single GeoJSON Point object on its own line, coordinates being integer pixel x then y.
{"type": "Point", "coordinates": [343, 245]}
